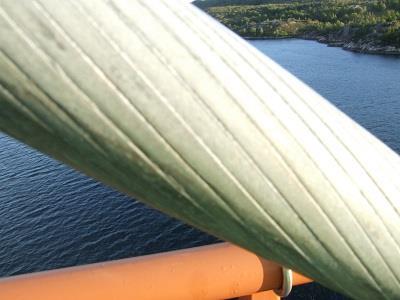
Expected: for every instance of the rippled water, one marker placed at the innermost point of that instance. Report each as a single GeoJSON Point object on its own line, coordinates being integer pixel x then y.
{"type": "Point", "coordinates": [52, 216]}
{"type": "Point", "coordinates": [366, 87]}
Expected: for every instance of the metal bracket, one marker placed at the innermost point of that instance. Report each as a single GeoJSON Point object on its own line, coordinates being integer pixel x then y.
{"type": "Point", "coordinates": [287, 283]}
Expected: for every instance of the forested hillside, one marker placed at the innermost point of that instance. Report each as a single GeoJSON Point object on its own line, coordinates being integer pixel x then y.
{"type": "Point", "coordinates": [213, 3]}
{"type": "Point", "coordinates": [366, 26]}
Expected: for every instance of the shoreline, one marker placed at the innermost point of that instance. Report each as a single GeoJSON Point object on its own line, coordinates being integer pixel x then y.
{"type": "Point", "coordinates": [357, 47]}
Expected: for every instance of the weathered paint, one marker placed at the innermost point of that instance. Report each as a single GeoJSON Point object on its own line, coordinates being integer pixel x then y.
{"type": "Point", "coordinates": [219, 271]}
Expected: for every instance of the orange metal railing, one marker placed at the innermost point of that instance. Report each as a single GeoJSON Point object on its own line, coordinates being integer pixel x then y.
{"type": "Point", "coordinates": [219, 271]}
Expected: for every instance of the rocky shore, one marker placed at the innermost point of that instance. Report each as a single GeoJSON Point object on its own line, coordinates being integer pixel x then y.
{"type": "Point", "coordinates": [345, 39]}
{"type": "Point", "coordinates": [361, 46]}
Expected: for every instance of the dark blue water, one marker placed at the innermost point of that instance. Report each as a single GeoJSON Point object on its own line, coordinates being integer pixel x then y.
{"type": "Point", "coordinates": [366, 87]}
{"type": "Point", "coordinates": [53, 217]}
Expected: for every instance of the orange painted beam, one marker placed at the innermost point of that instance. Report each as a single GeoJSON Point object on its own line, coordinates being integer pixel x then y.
{"type": "Point", "coordinates": [218, 271]}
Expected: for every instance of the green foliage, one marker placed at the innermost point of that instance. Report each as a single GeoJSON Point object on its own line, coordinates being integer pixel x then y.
{"type": "Point", "coordinates": [392, 35]}
{"type": "Point", "coordinates": [213, 3]}
{"type": "Point", "coordinates": [372, 20]}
